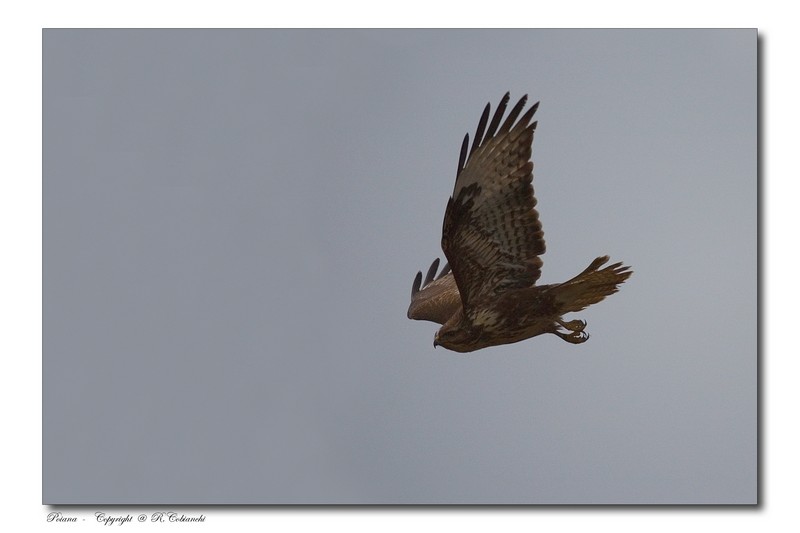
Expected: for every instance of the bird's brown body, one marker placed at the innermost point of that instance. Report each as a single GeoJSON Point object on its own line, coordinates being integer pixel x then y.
{"type": "Point", "coordinates": [492, 239]}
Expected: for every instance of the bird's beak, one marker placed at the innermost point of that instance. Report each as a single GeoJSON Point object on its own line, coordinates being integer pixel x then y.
{"type": "Point", "coordinates": [436, 340]}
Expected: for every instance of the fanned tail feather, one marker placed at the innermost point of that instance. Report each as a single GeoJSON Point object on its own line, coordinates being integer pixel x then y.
{"type": "Point", "coordinates": [591, 286]}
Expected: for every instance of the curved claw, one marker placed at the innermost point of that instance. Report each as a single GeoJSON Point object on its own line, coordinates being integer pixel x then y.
{"type": "Point", "coordinates": [572, 325]}
{"type": "Point", "coordinates": [576, 337]}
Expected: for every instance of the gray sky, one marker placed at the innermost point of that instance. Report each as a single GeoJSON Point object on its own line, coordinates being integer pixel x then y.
{"type": "Point", "coordinates": [233, 219]}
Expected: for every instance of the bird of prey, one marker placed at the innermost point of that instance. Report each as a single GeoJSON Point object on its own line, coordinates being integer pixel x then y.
{"type": "Point", "coordinates": [486, 295]}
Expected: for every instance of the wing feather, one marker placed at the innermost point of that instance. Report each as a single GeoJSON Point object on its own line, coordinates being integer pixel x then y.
{"type": "Point", "coordinates": [491, 234]}
{"type": "Point", "coordinates": [481, 127]}
{"type": "Point", "coordinates": [498, 115]}
{"type": "Point", "coordinates": [432, 271]}
{"type": "Point", "coordinates": [435, 299]}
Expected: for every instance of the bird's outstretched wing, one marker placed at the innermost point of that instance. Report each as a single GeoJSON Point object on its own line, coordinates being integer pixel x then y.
{"type": "Point", "coordinates": [492, 236]}
{"type": "Point", "coordinates": [434, 299]}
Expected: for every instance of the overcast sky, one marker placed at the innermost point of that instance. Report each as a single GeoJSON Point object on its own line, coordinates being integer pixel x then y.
{"type": "Point", "coordinates": [233, 220]}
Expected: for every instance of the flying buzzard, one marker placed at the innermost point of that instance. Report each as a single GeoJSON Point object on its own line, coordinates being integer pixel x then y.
{"type": "Point", "coordinates": [487, 294]}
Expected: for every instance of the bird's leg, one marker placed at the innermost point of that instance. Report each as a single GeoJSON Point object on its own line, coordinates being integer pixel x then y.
{"type": "Point", "coordinates": [576, 337]}
{"type": "Point", "coordinates": [572, 325]}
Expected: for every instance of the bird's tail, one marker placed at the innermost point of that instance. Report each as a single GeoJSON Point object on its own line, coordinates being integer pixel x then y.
{"type": "Point", "coordinates": [591, 285]}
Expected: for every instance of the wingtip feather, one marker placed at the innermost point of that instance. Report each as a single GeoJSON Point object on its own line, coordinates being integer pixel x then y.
{"type": "Point", "coordinates": [416, 285]}
{"type": "Point", "coordinates": [462, 158]}
{"type": "Point", "coordinates": [431, 271]}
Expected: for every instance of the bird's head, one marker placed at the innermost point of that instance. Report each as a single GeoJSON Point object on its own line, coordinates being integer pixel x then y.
{"type": "Point", "coordinates": [454, 338]}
